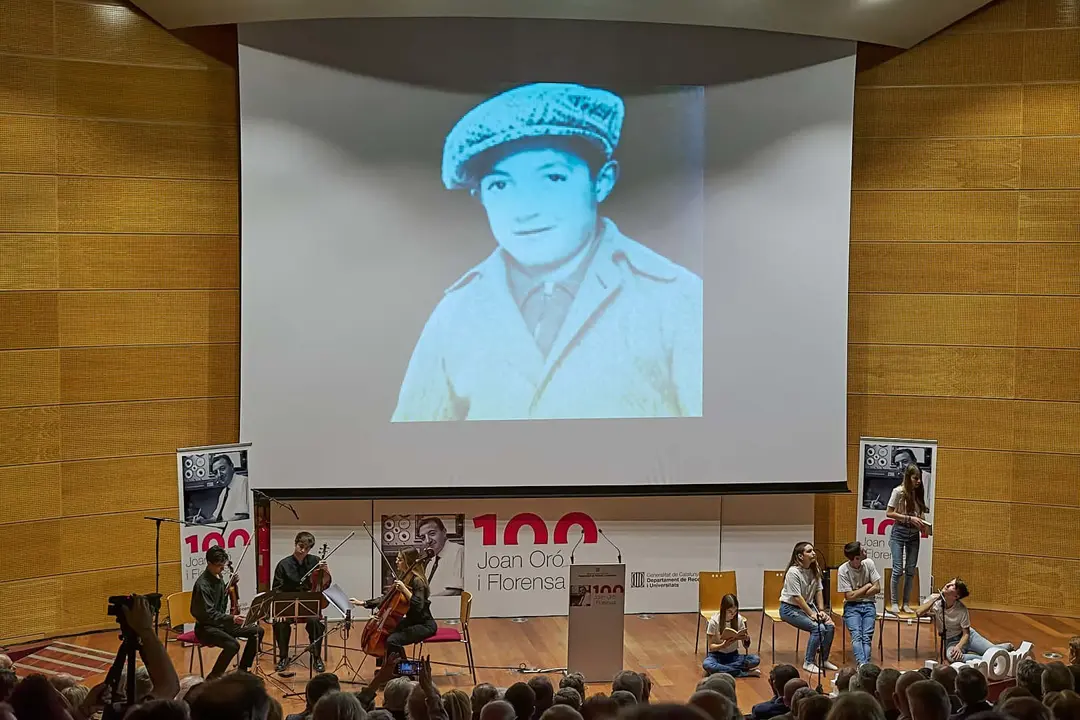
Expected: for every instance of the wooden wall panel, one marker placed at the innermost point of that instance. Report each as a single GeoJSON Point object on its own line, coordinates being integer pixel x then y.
{"type": "Point", "coordinates": [29, 262]}
{"type": "Point", "coordinates": [965, 293]}
{"type": "Point", "coordinates": [29, 377]}
{"type": "Point", "coordinates": [119, 309]}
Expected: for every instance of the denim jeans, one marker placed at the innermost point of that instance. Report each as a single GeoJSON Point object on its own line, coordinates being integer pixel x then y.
{"type": "Point", "coordinates": [977, 645]}
{"type": "Point", "coordinates": [904, 544]}
{"type": "Point", "coordinates": [732, 663]}
{"type": "Point", "coordinates": [822, 635]}
{"type": "Point", "coordinates": [860, 618]}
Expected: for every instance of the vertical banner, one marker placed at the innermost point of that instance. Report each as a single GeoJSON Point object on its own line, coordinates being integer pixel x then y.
{"type": "Point", "coordinates": [216, 508]}
{"type": "Point", "coordinates": [595, 628]}
{"type": "Point", "coordinates": [882, 466]}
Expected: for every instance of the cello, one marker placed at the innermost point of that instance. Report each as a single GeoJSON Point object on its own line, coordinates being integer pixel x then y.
{"type": "Point", "coordinates": [391, 610]}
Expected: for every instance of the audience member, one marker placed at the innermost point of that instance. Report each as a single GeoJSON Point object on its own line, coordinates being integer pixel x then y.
{"type": "Point", "coordinates": [855, 683]}
{"type": "Point", "coordinates": [1029, 675]}
{"type": "Point", "coordinates": [1074, 651]}
{"type": "Point", "coordinates": [544, 692]}
{"type": "Point", "coordinates": [338, 706]}
{"type": "Point", "coordinates": [575, 680]}
{"type": "Point", "coordinates": [1056, 676]}
{"type": "Point", "coordinates": [815, 707]}
{"type": "Point", "coordinates": [1066, 706]}
{"type": "Point", "coordinates": [186, 683]}
{"type": "Point", "coordinates": [855, 705]}
{"type": "Point", "coordinates": [721, 683]}
{"type": "Point", "coordinates": [1075, 670]}
{"type": "Point", "coordinates": [6, 713]}
{"type": "Point", "coordinates": [64, 680]}
{"type": "Point", "coordinates": [989, 715]}
{"type": "Point", "coordinates": [482, 694]}
{"type": "Point", "coordinates": [159, 710]}
{"type": "Point", "coordinates": [1024, 708]}
{"type": "Point", "coordinates": [945, 675]}
{"type": "Point", "coordinates": [522, 697]}
{"type": "Point", "coordinates": [972, 689]}
{"type": "Point", "coordinates": [34, 698]}
{"type": "Point", "coordinates": [275, 712]}
{"type": "Point", "coordinates": [5, 662]}
{"type": "Point", "coordinates": [900, 694]}
{"type": "Point", "coordinates": [561, 711]}
{"type": "Point", "coordinates": [624, 698]}
{"type": "Point", "coordinates": [498, 710]}
{"type": "Point", "coordinates": [663, 711]}
{"type": "Point", "coordinates": [886, 687]}
{"type": "Point", "coordinates": [569, 697]}
{"type": "Point", "coordinates": [928, 700]}
{"type": "Point", "coordinates": [868, 676]}
{"type": "Point", "coordinates": [192, 694]}
{"type": "Point", "coordinates": [236, 696]}
{"type": "Point", "coordinates": [790, 688]}
{"type": "Point", "coordinates": [926, 672]}
{"type": "Point", "coordinates": [383, 714]}
{"type": "Point", "coordinates": [631, 682]}
{"type": "Point", "coordinates": [396, 696]}
{"type": "Point", "coordinates": [599, 707]}
{"type": "Point", "coordinates": [843, 679]}
{"type": "Point", "coordinates": [646, 687]}
{"type": "Point", "coordinates": [1011, 692]}
{"type": "Point", "coordinates": [8, 681]}
{"type": "Point", "coordinates": [458, 705]}
{"type": "Point", "coordinates": [317, 686]}
{"type": "Point", "coordinates": [778, 678]}
{"type": "Point", "coordinates": [715, 705]}
{"type": "Point", "coordinates": [75, 695]}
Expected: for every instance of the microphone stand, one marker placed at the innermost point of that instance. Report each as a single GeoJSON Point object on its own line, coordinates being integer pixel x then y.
{"type": "Point", "coordinates": [941, 632]}
{"type": "Point", "coordinates": [574, 549]}
{"type": "Point", "coordinates": [157, 550]}
{"type": "Point", "coordinates": [820, 651]}
{"type": "Point", "coordinates": [277, 502]}
{"type": "Point", "coordinates": [604, 535]}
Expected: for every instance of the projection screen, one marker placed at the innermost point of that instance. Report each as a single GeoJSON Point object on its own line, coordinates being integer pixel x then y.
{"type": "Point", "coordinates": [490, 257]}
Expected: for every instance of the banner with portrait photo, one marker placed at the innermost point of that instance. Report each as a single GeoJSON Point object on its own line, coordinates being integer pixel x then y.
{"type": "Point", "coordinates": [217, 508]}
{"type": "Point", "coordinates": [882, 465]}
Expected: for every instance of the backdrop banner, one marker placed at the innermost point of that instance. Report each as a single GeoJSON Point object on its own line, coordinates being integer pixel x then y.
{"type": "Point", "coordinates": [217, 507]}
{"type": "Point", "coordinates": [881, 472]}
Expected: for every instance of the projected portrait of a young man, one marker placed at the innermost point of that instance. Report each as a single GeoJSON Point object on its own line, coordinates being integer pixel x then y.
{"type": "Point", "coordinates": [567, 318]}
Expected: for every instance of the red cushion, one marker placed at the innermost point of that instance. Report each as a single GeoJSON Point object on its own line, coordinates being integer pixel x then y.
{"type": "Point", "coordinates": [189, 638]}
{"type": "Point", "coordinates": [444, 634]}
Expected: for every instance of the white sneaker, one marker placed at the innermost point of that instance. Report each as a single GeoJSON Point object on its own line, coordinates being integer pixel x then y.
{"type": "Point", "coordinates": [811, 668]}
{"type": "Point", "coordinates": [895, 609]}
{"type": "Point", "coordinates": [830, 666]}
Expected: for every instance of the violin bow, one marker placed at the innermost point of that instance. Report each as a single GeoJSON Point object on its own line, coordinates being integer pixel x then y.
{"type": "Point", "coordinates": [324, 559]}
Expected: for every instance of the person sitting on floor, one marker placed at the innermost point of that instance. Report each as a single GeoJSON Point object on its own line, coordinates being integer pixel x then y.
{"type": "Point", "coordinates": [725, 631]}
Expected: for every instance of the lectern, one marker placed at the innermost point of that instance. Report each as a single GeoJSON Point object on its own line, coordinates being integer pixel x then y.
{"type": "Point", "coordinates": [594, 644]}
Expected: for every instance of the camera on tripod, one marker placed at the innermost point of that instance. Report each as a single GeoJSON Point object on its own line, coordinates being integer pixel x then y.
{"type": "Point", "coordinates": [116, 602]}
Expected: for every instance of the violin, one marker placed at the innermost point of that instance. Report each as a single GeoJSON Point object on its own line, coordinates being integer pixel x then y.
{"type": "Point", "coordinates": [319, 580]}
{"type": "Point", "coordinates": [392, 608]}
{"type": "Point", "coordinates": [233, 588]}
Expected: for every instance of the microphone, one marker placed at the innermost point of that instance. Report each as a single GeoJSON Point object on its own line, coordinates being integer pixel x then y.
{"type": "Point", "coordinates": [576, 547]}
{"type": "Point", "coordinates": [604, 535]}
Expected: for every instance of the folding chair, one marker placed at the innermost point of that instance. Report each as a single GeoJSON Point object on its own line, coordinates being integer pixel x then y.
{"type": "Point", "coordinates": [771, 584]}
{"type": "Point", "coordinates": [712, 587]}
{"type": "Point", "coordinates": [452, 635]}
{"type": "Point", "coordinates": [901, 618]}
{"type": "Point", "coordinates": [179, 608]}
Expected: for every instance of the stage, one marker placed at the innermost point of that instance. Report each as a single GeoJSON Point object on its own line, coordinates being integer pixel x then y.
{"type": "Point", "coordinates": [662, 646]}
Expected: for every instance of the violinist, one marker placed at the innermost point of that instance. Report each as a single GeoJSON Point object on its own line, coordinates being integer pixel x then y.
{"type": "Point", "coordinates": [417, 624]}
{"type": "Point", "coordinates": [287, 576]}
{"type": "Point", "coordinates": [214, 626]}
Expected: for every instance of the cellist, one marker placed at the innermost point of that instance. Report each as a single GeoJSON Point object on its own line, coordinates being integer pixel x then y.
{"type": "Point", "coordinates": [289, 572]}
{"type": "Point", "coordinates": [418, 624]}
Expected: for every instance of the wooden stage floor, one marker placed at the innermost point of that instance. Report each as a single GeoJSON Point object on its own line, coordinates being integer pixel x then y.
{"type": "Point", "coordinates": [662, 646]}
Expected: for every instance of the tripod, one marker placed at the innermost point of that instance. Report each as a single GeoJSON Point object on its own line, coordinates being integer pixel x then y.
{"type": "Point", "coordinates": [157, 548]}
{"type": "Point", "coordinates": [820, 659]}
{"type": "Point", "coordinates": [125, 658]}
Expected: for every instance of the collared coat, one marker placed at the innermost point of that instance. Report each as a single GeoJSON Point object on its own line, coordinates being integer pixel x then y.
{"type": "Point", "coordinates": [630, 346]}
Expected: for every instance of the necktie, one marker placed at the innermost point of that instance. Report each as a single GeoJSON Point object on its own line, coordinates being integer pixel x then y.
{"type": "Point", "coordinates": [434, 567]}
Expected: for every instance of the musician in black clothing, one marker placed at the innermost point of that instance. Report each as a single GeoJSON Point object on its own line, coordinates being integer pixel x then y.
{"type": "Point", "coordinates": [418, 624]}
{"type": "Point", "coordinates": [290, 570]}
{"type": "Point", "coordinates": [214, 626]}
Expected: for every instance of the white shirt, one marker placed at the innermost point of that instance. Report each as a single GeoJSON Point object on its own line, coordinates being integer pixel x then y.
{"type": "Point", "coordinates": [849, 579]}
{"type": "Point", "coordinates": [716, 626]}
{"type": "Point", "coordinates": [800, 582]}
{"type": "Point", "coordinates": [446, 576]}
{"type": "Point", "coordinates": [957, 618]}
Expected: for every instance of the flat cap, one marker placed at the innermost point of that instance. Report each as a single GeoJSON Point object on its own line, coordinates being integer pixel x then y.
{"type": "Point", "coordinates": [532, 111]}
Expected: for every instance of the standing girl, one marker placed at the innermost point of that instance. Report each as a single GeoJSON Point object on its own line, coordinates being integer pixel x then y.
{"type": "Point", "coordinates": [906, 508]}
{"type": "Point", "coordinates": [726, 629]}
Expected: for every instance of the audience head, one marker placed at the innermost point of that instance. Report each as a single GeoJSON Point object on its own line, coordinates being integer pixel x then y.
{"type": "Point", "coordinates": [1011, 692]}
{"type": "Point", "coordinates": [1066, 706]}
{"type": "Point", "coordinates": [815, 707]}
{"type": "Point", "coordinates": [482, 694]}
{"type": "Point", "coordinates": [63, 680]}
{"type": "Point", "coordinates": [1029, 675]}
{"type": "Point", "coordinates": [35, 697]}
{"type": "Point", "coordinates": [7, 664]}
{"type": "Point", "coordinates": [1024, 708]}
{"type": "Point", "coordinates": [799, 697]}
{"type": "Point", "coordinates": [159, 710]}
{"type": "Point", "coordinates": [599, 707]}
{"type": "Point", "coordinates": [926, 673]}
{"type": "Point", "coordinates": [320, 685]}
{"type": "Point", "coordinates": [715, 705]}
{"type": "Point", "coordinates": [928, 700]}
{"type": "Point", "coordinates": [855, 683]}
{"type": "Point", "coordinates": [779, 676]}
{"type": "Point", "coordinates": [275, 712]}
{"type": "Point", "coordinates": [868, 676]}
{"type": "Point", "coordinates": [886, 686]}
{"type": "Point", "coordinates": [721, 683]}
{"type": "Point", "coordinates": [8, 681]}
{"type": "Point", "coordinates": [646, 687]}
{"type": "Point", "coordinates": [971, 686]}
{"type": "Point", "coordinates": [75, 695]}
{"type": "Point", "coordinates": [905, 681]}
{"type": "Point", "coordinates": [855, 705]}
{"type": "Point", "coordinates": [186, 683]}
{"type": "Point", "coordinates": [458, 705]}
{"type": "Point", "coordinates": [843, 679]}
{"type": "Point", "coordinates": [368, 701]}
{"type": "Point", "coordinates": [522, 697]}
{"type": "Point", "coordinates": [237, 696]}
{"type": "Point", "coordinates": [987, 715]}
{"type": "Point", "coordinates": [1074, 651]}
{"type": "Point", "coordinates": [1056, 676]}
{"type": "Point", "coordinates": [945, 675]}
{"type": "Point", "coordinates": [790, 687]}
{"type": "Point", "coordinates": [569, 697]}
{"type": "Point", "coordinates": [337, 705]}
{"type": "Point", "coordinates": [498, 710]}
{"type": "Point", "coordinates": [416, 706]}
{"type": "Point", "coordinates": [545, 693]}
{"type": "Point", "coordinates": [396, 694]}
{"type": "Point", "coordinates": [1075, 670]}
{"type": "Point", "coordinates": [624, 698]}
{"type": "Point", "coordinates": [561, 711]}
{"type": "Point", "coordinates": [631, 682]}
{"type": "Point", "coordinates": [575, 680]}
{"type": "Point", "coordinates": [379, 714]}
{"type": "Point", "coordinates": [663, 711]}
